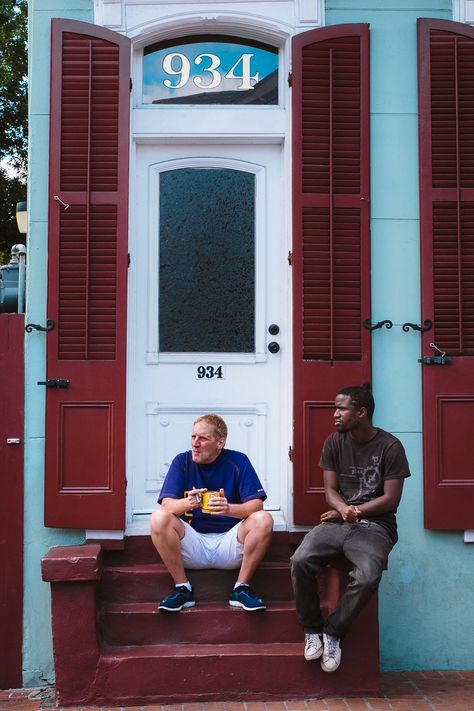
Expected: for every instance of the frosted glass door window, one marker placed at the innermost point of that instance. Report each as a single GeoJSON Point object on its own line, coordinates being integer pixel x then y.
{"type": "Point", "coordinates": [207, 261]}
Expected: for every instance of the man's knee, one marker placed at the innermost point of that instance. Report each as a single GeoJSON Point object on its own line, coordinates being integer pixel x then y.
{"type": "Point", "coordinates": [162, 520]}
{"type": "Point", "coordinates": [261, 520]}
{"type": "Point", "coordinates": [300, 562]}
{"type": "Point", "coordinates": [368, 576]}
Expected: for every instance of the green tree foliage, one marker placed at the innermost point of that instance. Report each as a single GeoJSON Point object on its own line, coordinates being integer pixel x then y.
{"type": "Point", "coordinates": [12, 190]}
{"type": "Point", "coordinates": [13, 116]}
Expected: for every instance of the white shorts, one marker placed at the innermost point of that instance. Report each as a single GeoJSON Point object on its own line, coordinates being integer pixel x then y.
{"type": "Point", "coordinates": [211, 550]}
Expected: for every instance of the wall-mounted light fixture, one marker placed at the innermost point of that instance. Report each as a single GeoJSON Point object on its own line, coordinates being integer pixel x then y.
{"type": "Point", "coordinates": [22, 217]}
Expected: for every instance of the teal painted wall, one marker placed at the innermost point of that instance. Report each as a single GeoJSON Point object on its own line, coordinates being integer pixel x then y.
{"type": "Point", "coordinates": [429, 587]}
{"type": "Point", "coordinates": [37, 646]}
{"type": "Point", "coordinates": [427, 594]}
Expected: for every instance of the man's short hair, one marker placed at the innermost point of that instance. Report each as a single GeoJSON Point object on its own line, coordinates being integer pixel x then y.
{"type": "Point", "coordinates": [361, 396]}
{"type": "Point", "coordinates": [217, 422]}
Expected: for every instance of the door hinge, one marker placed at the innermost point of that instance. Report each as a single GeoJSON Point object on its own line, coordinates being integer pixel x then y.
{"type": "Point", "coordinates": [290, 453]}
{"type": "Point", "coordinates": [290, 258]}
{"type": "Point", "coordinates": [131, 84]}
{"type": "Point", "coordinates": [128, 260]}
{"type": "Point", "coordinates": [290, 78]}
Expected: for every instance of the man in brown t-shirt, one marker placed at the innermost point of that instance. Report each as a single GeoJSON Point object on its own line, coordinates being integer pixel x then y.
{"type": "Point", "coordinates": [364, 469]}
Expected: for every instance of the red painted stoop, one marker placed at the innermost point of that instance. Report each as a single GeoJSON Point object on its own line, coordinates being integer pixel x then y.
{"type": "Point", "coordinates": [113, 647]}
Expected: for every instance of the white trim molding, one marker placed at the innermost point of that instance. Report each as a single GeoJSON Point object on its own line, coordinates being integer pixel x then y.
{"type": "Point", "coordinates": [140, 19]}
{"type": "Point", "coordinates": [92, 535]}
{"type": "Point", "coordinates": [463, 11]}
{"type": "Point", "coordinates": [153, 352]}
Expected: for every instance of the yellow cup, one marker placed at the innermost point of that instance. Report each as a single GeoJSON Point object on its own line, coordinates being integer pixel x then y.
{"type": "Point", "coordinates": [205, 500]}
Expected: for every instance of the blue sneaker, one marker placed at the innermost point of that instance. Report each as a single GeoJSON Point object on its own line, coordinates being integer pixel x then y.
{"type": "Point", "coordinates": [244, 596]}
{"type": "Point", "coordinates": [179, 597]}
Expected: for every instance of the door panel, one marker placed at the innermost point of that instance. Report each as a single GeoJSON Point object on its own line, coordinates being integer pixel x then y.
{"type": "Point", "coordinates": [446, 60]}
{"type": "Point", "coordinates": [331, 242]}
{"type": "Point", "coordinates": [12, 381]}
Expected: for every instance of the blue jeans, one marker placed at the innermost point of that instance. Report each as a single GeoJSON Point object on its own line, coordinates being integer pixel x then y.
{"type": "Point", "coordinates": [365, 544]}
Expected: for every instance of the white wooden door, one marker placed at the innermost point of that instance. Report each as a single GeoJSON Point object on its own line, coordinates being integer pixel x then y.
{"type": "Point", "coordinates": [208, 286]}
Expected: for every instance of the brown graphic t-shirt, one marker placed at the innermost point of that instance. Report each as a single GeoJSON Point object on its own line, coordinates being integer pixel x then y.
{"type": "Point", "coordinates": [362, 468]}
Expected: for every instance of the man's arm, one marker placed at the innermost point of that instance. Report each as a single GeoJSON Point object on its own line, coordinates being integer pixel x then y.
{"type": "Point", "coordinates": [179, 506]}
{"type": "Point", "coordinates": [336, 501]}
{"type": "Point", "coordinates": [392, 493]}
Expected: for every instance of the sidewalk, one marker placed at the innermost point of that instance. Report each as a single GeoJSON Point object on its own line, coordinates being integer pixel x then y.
{"type": "Point", "coordinates": [401, 691]}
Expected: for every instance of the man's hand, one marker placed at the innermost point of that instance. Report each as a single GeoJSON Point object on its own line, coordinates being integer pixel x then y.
{"type": "Point", "coordinates": [194, 498]}
{"type": "Point", "coordinates": [218, 505]}
{"type": "Point", "coordinates": [350, 514]}
{"type": "Point", "coordinates": [332, 516]}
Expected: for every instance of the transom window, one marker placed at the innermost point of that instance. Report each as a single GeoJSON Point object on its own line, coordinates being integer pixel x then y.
{"type": "Point", "coordinates": [210, 69]}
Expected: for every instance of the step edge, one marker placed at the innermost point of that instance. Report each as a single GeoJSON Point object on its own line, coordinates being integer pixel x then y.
{"type": "Point", "coordinates": [117, 652]}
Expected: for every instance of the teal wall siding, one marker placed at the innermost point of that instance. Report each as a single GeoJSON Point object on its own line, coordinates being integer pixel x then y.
{"type": "Point", "coordinates": [37, 651]}
{"type": "Point", "coordinates": [428, 588]}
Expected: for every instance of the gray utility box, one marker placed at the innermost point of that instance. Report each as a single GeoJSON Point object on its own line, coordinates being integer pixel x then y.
{"type": "Point", "coordinates": [9, 287]}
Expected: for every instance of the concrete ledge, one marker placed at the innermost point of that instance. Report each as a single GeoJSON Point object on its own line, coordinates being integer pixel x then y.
{"type": "Point", "coordinates": [73, 563]}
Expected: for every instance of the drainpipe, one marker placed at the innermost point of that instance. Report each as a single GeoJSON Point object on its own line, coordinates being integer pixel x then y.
{"type": "Point", "coordinates": [21, 215]}
{"type": "Point", "coordinates": [21, 254]}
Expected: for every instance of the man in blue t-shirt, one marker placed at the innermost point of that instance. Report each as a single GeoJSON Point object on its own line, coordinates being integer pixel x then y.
{"type": "Point", "coordinates": [233, 530]}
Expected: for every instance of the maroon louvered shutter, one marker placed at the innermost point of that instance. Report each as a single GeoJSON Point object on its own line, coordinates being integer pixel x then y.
{"type": "Point", "coordinates": [87, 273]}
{"type": "Point", "coordinates": [446, 130]}
{"type": "Point", "coordinates": [331, 242]}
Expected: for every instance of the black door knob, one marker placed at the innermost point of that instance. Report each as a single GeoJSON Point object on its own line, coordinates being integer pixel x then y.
{"type": "Point", "coordinates": [273, 329]}
{"type": "Point", "coordinates": [273, 347]}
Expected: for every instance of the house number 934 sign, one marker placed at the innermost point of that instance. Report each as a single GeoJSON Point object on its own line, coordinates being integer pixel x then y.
{"type": "Point", "coordinates": [179, 66]}
{"type": "Point", "coordinates": [190, 71]}
{"type": "Point", "coordinates": [209, 372]}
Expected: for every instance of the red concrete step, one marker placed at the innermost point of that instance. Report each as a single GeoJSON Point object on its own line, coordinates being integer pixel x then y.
{"type": "Point", "coordinates": [139, 549]}
{"type": "Point", "coordinates": [267, 663]}
{"type": "Point", "coordinates": [152, 582]}
{"type": "Point", "coordinates": [222, 672]}
{"type": "Point", "coordinates": [142, 623]}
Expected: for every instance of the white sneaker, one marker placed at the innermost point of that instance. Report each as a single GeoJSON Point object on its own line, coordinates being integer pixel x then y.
{"type": "Point", "coordinates": [313, 647]}
{"type": "Point", "coordinates": [331, 654]}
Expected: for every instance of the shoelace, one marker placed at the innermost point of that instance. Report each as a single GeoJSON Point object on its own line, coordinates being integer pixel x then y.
{"type": "Point", "coordinates": [332, 646]}
{"type": "Point", "coordinates": [313, 639]}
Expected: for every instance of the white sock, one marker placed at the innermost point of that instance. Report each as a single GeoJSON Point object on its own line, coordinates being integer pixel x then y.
{"type": "Point", "coordinates": [187, 584]}
{"type": "Point", "coordinates": [237, 584]}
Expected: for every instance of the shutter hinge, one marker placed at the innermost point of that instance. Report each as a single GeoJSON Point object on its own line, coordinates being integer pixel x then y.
{"type": "Point", "coordinates": [290, 78]}
{"type": "Point", "coordinates": [131, 84]}
{"type": "Point", "coordinates": [290, 453]}
{"type": "Point", "coordinates": [128, 260]}
{"type": "Point", "coordinates": [62, 383]}
{"type": "Point", "coordinates": [290, 258]}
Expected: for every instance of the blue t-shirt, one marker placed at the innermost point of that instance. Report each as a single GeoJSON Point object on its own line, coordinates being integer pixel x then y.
{"type": "Point", "coordinates": [231, 471]}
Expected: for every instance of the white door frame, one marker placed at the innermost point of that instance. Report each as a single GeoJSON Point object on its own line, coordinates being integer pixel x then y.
{"type": "Point", "coordinates": [139, 524]}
